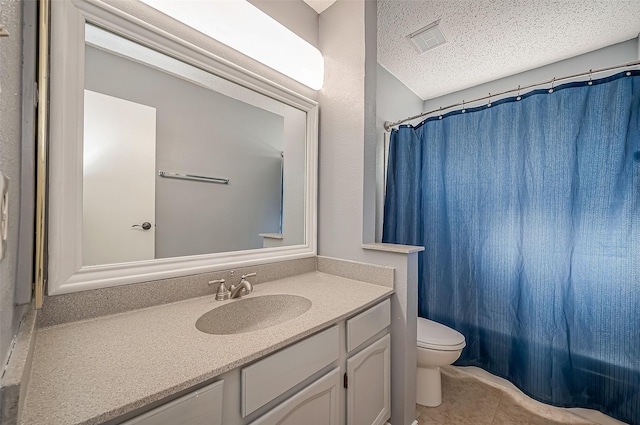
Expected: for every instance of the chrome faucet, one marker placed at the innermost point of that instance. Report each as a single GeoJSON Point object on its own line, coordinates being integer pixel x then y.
{"type": "Point", "coordinates": [243, 288]}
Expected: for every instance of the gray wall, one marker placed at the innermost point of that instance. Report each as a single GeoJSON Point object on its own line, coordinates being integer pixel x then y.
{"type": "Point", "coordinates": [394, 101]}
{"type": "Point", "coordinates": [205, 133]}
{"type": "Point", "coordinates": [10, 145]}
{"type": "Point", "coordinates": [612, 55]}
{"type": "Point", "coordinates": [347, 179]}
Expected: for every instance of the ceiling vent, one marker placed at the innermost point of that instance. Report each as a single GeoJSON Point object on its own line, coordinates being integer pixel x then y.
{"type": "Point", "coordinates": [428, 38]}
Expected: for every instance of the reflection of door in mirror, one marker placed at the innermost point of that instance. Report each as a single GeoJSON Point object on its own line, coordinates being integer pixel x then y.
{"type": "Point", "coordinates": [118, 180]}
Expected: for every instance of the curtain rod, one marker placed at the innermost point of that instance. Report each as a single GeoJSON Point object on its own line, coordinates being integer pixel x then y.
{"type": "Point", "coordinates": [388, 125]}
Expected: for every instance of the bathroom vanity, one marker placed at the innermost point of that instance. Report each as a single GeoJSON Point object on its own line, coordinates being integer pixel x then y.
{"type": "Point", "coordinates": [152, 365]}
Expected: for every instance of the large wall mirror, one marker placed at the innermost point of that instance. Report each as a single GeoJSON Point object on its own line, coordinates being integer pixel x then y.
{"type": "Point", "coordinates": [165, 160]}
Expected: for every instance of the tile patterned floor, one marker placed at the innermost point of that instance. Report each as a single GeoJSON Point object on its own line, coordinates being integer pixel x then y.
{"type": "Point", "coordinates": [468, 400]}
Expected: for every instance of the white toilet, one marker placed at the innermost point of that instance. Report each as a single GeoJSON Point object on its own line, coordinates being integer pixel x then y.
{"type": "Point", "coordinates": [438, 345]}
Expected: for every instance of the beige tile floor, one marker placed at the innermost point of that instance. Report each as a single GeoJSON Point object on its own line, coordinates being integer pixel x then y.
{"type": "Point", "coordinates": [468, 400]}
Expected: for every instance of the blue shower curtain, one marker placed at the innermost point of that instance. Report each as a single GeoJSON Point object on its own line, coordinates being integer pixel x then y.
{"type": "Point", "coordinates": [529, 212]}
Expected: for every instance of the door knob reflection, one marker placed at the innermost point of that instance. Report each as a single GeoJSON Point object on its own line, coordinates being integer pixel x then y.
{"type": "Point", "coordinates": [145, 226]}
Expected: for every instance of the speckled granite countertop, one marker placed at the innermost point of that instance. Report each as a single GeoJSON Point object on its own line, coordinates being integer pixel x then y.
{"type": "Point", "coordinates": [91, 371]}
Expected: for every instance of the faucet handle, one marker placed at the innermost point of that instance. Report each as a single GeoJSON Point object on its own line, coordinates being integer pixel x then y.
{"type": "Point", "coordinates": [213, 282]}
{"type": "Point", "coordinates": [222, 293]}
{"type": "Point", "coordinates": [243, 281]}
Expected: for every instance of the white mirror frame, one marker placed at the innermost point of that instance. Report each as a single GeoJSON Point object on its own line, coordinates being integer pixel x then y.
{"type": "Point", "coordinates": [65, 271]}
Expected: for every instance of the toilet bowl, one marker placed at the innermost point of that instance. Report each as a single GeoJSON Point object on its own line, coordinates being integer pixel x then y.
{"type": "Point", "coordinates": [438, 345]}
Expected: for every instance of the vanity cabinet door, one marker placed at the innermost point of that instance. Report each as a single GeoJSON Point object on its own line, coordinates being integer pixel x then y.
{"type": "Point", "coordinates": [317, 404]}
{"type": "Point", "coordinates": [201, 407]}
{"type": "Point", "coordinates": [368, 385]}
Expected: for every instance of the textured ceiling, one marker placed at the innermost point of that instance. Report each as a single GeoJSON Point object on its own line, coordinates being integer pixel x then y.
{"type": "Point", "coordinates": [491, 39]}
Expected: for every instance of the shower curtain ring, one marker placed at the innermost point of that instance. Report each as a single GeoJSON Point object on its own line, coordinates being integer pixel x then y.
{"type": "Point", "coordinates": [463, 109]}
{"type": "Point", "coordinates": [518, 97]}
{"type": "Point", "coordinates": [590, 82]}
{"type": "Point", "coordinates": [552, 82]}
{"type": "Point", "coordinates": [440, 116]}
{"type": "Point", "coordinates": [489, 104]}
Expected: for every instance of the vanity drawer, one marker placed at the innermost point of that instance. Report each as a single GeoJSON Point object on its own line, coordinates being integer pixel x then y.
{"type": "Point", "coordinates": [270, 377]}
{"type": "Point", "coordinates": [201, 407]}
{"type": "Point", "coordinates": [368, 323]}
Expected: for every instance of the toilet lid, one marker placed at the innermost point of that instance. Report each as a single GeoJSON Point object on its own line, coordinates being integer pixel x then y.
{"type": "Point", "coordinates": [438, 336]}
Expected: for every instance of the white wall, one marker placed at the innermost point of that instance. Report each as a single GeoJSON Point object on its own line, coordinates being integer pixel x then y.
{"type": "Point", "coordinates": [347, 178]}
{"type": "Point", "coordinates": [609, 56]}
{"type": "Point", "coordinates": [10, 145]}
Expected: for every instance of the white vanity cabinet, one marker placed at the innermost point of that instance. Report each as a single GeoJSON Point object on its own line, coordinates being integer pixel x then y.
{"type": "Point", "coordinates": [368, 375]}
{"type": "Point", "coordinates": [200, 407]}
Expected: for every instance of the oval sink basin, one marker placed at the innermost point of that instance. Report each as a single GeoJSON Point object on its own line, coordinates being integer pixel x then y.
{"type": "Point", "coordinates": [252, 314]}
